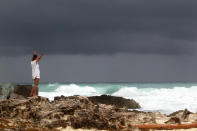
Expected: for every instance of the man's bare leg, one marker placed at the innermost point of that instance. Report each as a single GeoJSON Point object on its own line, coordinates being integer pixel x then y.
{"type": "Point", "coordinates": [36, 87]}
{"type": "Point", "coordinates": [32, 90]}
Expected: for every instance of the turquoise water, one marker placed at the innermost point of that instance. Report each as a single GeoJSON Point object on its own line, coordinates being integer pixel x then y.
{"type": "Point", "coordinates": [109, 88]}
{"type": "Point", "coordinates": [164, 97]}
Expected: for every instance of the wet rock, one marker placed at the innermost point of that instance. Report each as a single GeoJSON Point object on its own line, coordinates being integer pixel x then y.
{"type": "Point", "coordinates": [116, 101]}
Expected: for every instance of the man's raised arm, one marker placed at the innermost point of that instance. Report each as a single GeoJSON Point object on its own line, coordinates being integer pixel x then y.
{"type": "Point", "coordinates": [38, 59]}
{"type": "Point", "coordinates": [34, 53]}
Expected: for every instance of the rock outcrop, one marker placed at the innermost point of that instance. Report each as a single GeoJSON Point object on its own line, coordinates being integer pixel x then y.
{"type": "Point", "coordinates": [74, 111]}
{"type": "Point", "coordinates": [115, 101]}
{"type": "Point", "coordinates": [23, 90]}
{"type": "Point", "coordinates": [184, 116]}
{"type": "Point", "coordinates": [36, 113]}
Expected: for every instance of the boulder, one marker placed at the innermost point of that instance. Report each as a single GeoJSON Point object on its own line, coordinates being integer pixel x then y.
{"type": "Point", "coordinates": [23, 90]}
{"type": "Point", "coordinates": [116, 101]}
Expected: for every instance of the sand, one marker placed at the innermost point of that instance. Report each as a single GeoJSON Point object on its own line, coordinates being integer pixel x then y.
{"type": "Point", "coordinates": [71, 129]}
{"type": "Point", "coordinates": [192, 129]}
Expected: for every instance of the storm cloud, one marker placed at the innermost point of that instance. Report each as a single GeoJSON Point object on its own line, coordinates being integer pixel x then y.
{"type": "Point", "coordinates": [99, 40]}
{"type": "Point", "coordinates": [98, 27]}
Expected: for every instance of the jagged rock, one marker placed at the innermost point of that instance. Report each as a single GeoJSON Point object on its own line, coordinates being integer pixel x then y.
{"type": "Point", "coordinates": [183, 115]}
{"type": "Point", "coordinates": [23, 90]}
{"type": "Point", "coordinates": [25, 109]}
{"type": "Point", "coordinates": [116, 101]}
{"type": "Point", "coordinates": [74, 111]}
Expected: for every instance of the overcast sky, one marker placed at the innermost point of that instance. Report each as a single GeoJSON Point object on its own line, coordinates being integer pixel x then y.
{"type": "Point", "coordinates": [99, 40]}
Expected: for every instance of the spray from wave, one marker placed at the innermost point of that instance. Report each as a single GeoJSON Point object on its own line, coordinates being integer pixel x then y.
{"type": "Point", "coordinates": [166, 100]}
{"type": "Point", "coordinates": [69, 90]}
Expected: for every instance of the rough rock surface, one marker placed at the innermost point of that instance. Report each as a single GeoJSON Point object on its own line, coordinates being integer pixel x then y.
{"type": "Point", "coordinates": [184, 116]}
{"type": "Point", "coordinates": [116, 101]}
{"type": "Point", "coordinates": [36, 113]}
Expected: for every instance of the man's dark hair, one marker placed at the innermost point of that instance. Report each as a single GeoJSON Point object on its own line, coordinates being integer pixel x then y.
{"type": "Point", "coordinates": [34, 57]}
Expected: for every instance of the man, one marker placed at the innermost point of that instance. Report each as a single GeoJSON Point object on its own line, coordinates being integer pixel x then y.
{"type": "Point", "coordinates": [35, 73]}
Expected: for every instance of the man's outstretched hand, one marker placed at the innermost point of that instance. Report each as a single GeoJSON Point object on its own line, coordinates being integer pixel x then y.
{"type": "Point", "coordinates": [34, 52]}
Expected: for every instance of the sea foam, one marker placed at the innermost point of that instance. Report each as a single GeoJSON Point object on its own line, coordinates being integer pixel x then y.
{"type": "Point", "coordinates": [69, 90]}
{"type": "Point", "coordinates": [165, 100]}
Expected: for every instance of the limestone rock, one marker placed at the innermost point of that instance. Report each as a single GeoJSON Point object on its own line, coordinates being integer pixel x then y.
{"type": "Point", "coordinates": [75, 112]}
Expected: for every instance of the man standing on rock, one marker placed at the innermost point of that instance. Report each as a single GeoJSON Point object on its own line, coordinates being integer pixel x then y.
{"type": "Point", "coordinates": [35, 73]}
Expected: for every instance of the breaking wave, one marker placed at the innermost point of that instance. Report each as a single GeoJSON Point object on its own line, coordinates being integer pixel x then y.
{"type": "Point", "coordinates": [166, 100]}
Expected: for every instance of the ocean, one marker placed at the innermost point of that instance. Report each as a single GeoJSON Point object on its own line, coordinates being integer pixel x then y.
{"type": "Point", "coordinates": [163, 97]}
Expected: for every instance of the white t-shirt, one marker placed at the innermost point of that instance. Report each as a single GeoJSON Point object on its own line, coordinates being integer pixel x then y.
{"type": "Point", "coordinates": [35, 69]}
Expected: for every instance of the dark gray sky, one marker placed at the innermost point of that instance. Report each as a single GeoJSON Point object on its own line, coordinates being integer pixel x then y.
{"type": "Point", "coordinates": [99, 40]}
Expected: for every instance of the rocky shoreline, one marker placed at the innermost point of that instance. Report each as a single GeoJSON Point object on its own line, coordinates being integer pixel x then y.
{"type": "Point", "coordinates": [18, 112]}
